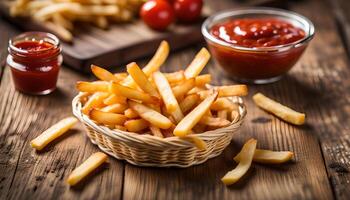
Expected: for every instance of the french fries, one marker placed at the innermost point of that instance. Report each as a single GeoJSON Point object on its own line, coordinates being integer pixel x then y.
{"type": "Point", "coordinates": [191, 119]}
{"type": "Point", "coordinates": [132, 93]}
{"type": "Point", "coordinates": [198, 63]}
{"type": "Point", "coordinates": [59, 16]}
{"type": "Point", "coordinates": [189, 102]}
{"type": "Point", "coordinates": [136, 125]}
{"type": "Point", "coordinates": [89, 165]}
{"type": "Point", "coordinates": [247, 154]}
{"type": "Point", "coordinates": [107, 118]}
{"type": "Point", "coordinates": [168, 96]}
{"type": "Point", "coordinates": [103, 74]}
{"type": "Point", "coordinates": [269, 157]}
{"type": "Point", "coordinates": [91, 87]}
{"type": "Point", "coordinates": [141, 79]}
{"type": "Point", "coordinates": [151, 115]}
{"type": "Point", "coordinates": [279, 110]}
{"type": "Point", "coordinates": [164, 105]}
{"type": "Point", "coordinates": [53, 132]}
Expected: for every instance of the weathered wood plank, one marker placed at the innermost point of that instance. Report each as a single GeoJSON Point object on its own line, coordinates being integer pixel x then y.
{"type": "Point", "coordinates": [26, 174]}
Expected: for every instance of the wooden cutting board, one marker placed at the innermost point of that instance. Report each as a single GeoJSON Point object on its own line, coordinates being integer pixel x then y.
{"type": "Point", "coordinates": [117, 45]}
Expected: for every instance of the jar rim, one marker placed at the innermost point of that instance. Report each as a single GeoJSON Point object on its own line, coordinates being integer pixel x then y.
{"type": "Point", "coordinates": [34, 36]}
{"type": "Point", "coordinates": [292, 16]}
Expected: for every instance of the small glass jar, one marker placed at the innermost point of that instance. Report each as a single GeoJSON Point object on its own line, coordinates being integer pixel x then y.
{"type": "Point", "coordinates": [35, 59]}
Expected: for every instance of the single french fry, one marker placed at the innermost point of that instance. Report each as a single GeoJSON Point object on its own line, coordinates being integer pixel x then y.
{"type": "Point", "coordinates": [103, 74]}
{"type": "Point", "coordinates": [283, 112]}
{"type": "Point", "coordinates": [120, 127]}
{"type": "Point", "coordinates": [59, 30]}
{"type": "Point", "coordinates": [181, 89]}
{"type": "Point", "coordinates": [175, 77]}
{"type": "Point", "coordinates": [247, 154]}
{"type": "Point", "coordinates": [136, 125]}
{"type": "Point", "coordinates": [107, 118]}
{"type": "Point", "coordinates": [198, 63]}
{"type": "Point", "coordinates": [130, 113]}
{"type": "Point", "coordinates": [154, 64]}
{"type": "Point", "coordinates": [91, 87]}
{"type": "Point", "coordinates": [224, 104]}
{"type": "Point", "coordinates": [62, 21]}
{"type": "Point", "coordinates": [131, 93]}
{"type": "Point", "coordinates": [151, 115]}
{"type": "Point", "coordinates": [202, 80]}
{"type": "Point", "coordinates": [89, 165]}
{"type": "Point", "coordinates": [121, 76]}
{"type": "Point", "coordinates": [200, 144]}
{"type": "Point", "coordinates": [233, 90]}
{"type": "Point", "coordinates": [269, 157]}
{"type": "Point", "coordinates": [191, 119]}
{"type": "Point", "coordinates": [53, 132]}
{"type": "Point", "coordinates": [167, 95]}
{"type": "Point", "coordinates": [156, 131]}
{"type": "Point", "coordinates": [222, 114]}
{"type": "Point", "coordinates": [189, 102]}
{"type": "Point", "coordinates": [95, 101]}
{"type": "Point", "coordinates": [141, 79]}
{"type": "Point", "coordinates": [213, 121]}
{"type": "Point", "coordinates": [114, 99]}
{"type": "Point", "coordinates": [115, 108]}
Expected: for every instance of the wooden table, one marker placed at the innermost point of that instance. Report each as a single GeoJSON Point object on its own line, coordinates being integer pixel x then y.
{"type": "Point", "coordinates": [318, 85]}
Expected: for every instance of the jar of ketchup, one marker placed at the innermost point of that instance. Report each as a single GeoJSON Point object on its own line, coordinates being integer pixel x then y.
{"type": "Point", "coordinates": [35, 59]}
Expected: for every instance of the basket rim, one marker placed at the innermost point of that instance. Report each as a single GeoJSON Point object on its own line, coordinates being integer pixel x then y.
{"type": "Point", "coordinates": [142, 138]}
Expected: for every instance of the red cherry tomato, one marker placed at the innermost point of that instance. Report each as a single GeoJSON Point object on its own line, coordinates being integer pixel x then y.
{"type": "Point", "coordinates": [157, 14]}
{"type": "Point", "coordinates": [188, 10]}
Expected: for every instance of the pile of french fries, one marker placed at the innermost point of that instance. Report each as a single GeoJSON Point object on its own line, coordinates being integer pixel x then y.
{"type": "Point", "coordinates": [59, 16]}
{"type": "Point", "coordinates": [147, 101]}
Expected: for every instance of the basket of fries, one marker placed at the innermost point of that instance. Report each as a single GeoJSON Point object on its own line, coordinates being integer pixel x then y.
{"type": "Point", "coordinates": [150, 118]}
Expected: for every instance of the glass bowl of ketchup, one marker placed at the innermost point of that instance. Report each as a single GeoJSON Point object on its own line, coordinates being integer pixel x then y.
{"type": "Point", "coordinates": [257, 45]}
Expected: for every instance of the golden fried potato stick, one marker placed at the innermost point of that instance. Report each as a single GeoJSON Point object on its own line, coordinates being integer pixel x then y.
{"type": "Point", "coordinates": [91, 87]}
{"type": "Point", "coordinates": [103, 74]}
{"type": "Point", "coordinates": [136, 125]}
{"type": "Point", "coordinates": [198, 63]}
{"type": "Point", "coordinates": [192, 118]}
{"type": "Point", "coordinates": [154, 64]}
{"type": "Point", "coordinates": [283, 112]}
{"type": "Point", "coordinates": [151, 115]}
{"type": "Point", "coordinates": [182, 89]}
{"type": "Point", "coordinates": [120, 128]}
{"type": "Point", "coordinates": [130, 113]}
{"type": "Point", "coordinates": [224, 104]}
{"type": "Point", "coordinates": [107, 118]}
{"type": "Point", "coordinates": [247, 154]}
{"type": "Point", "coordinates": [53, 132]}
{"type": "Point", "coordinates": [89, 165]}
{"type": "Point", "coordinates": [95, 101]}
{"type": "Point", "coordinates": [156, 131]}
{"type": "Point", "coordinates": [200, 144]}
{"type": "Point", "coordinates": [226, 91]}
{"type": "Point", "coordinates": [114, 99]}
{"type": "Point", "coordinates": [115, 108]}
{"type": "Point", "coordinates": [175, 77]}
{"type": "Point", "coordinates": [167, 95]}
{"type": "Point", "coordinates": [202, 80]}
{"type": "Point", "coordinates": [214, 121]}
{"type": "Point", "coordinates": [132, 93]}
{"type": "Point", "coordinates": [269, 157]}
{"type": "Point", "coordinates": [189, 102]}
{"type": "Point", "coordinates": [141, 79]}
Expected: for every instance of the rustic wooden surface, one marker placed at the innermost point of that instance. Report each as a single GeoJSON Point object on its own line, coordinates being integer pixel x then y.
{"type": "Point", "coordinates": [318, 85]}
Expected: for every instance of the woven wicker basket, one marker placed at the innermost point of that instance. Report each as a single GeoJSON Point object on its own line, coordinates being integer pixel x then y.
{"type": "Point", "coordinates": [148, 150]}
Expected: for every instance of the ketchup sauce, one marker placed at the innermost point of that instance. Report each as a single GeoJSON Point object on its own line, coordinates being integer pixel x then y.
{"type": "Point", "coordinates": [253, 51]}
{"type": "Point", "coordinates": [250, 33]}
{"type": "Point", "coordinates": [35, 63]}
